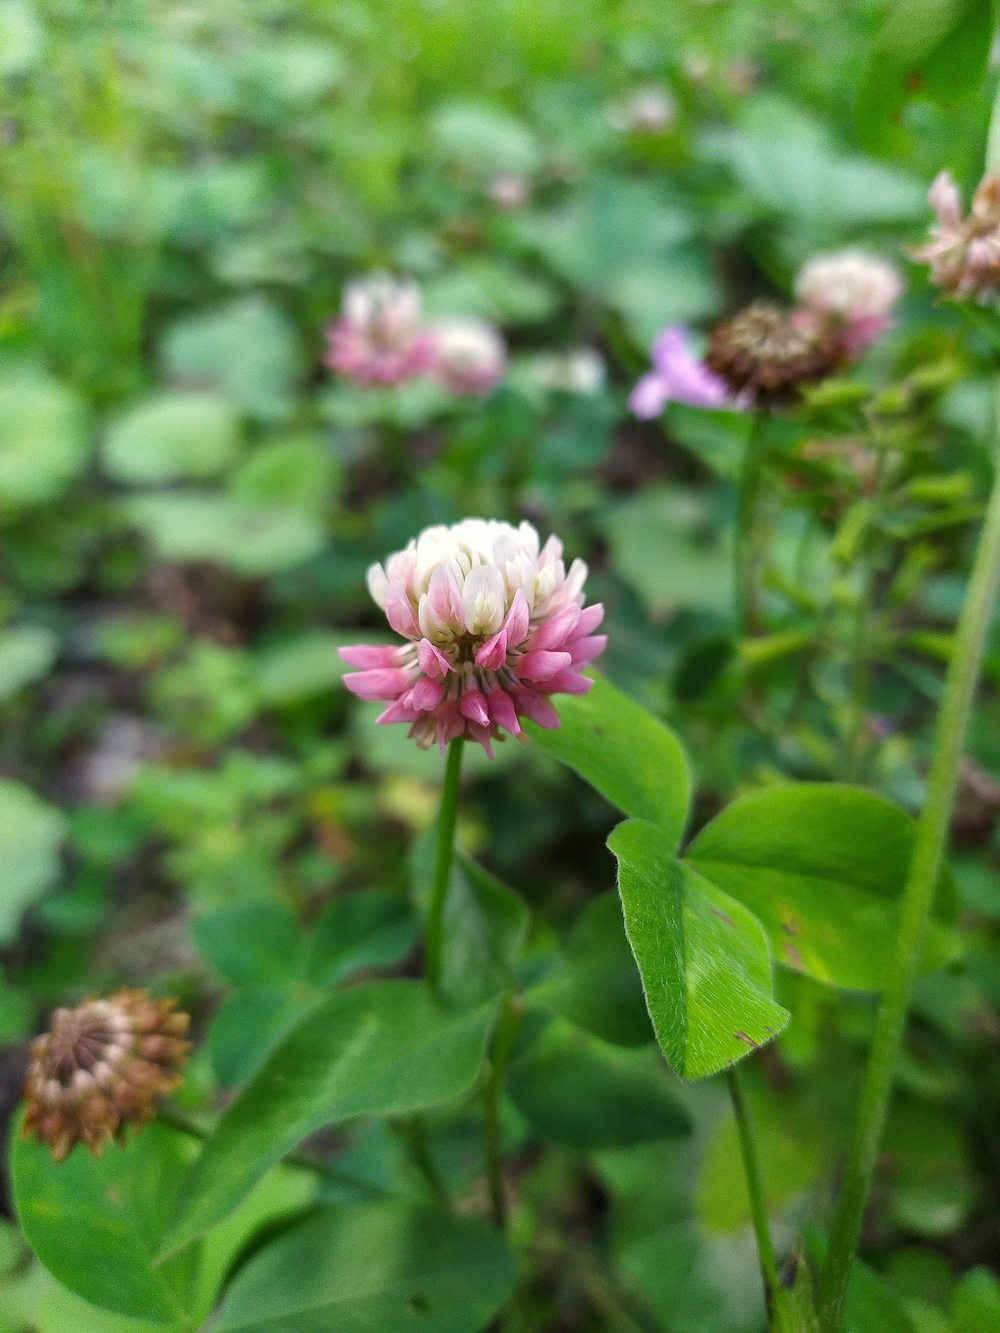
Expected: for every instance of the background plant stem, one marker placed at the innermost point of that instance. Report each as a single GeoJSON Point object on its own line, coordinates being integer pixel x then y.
{"type": "Point", "coordinates": [442, 864]}
{"type": "Point", "coordinates": [745, 546]}
{"type": "Point", "coordinates": [503, 1044]}
{"type": "Point", "coordinates": [755, 1185]}
{"type": "Point", "coordinates": [925, 863]}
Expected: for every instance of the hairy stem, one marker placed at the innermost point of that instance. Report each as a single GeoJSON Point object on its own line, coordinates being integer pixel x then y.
{"type": "Point", "coordinates": [755, 1186]}
{"type": "Point", "coordinates": [442, 864]}
{"type": "Point", "coordinates": [925, 864]}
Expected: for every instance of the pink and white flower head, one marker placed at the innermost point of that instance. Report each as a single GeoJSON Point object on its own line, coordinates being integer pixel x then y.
{"type": "Point", "coordinates": [677, 376]}
{"type": "Point", "coordinates": [855, 290]}
{"type": "Point", "coordinates": [494, 626]}
{"type": "Point", "coordinates": [470, 356]}
{"type": "Point", "coordinates": [380, 337]}
{"type": "Point", "coordinates": [964, 255]}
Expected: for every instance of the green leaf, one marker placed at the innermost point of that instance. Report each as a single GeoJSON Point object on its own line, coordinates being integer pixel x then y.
{"type": "Point", "coordinates": [823, 867]}
{"type": "Point", "coordinates": [26, 654]}
{"type": "Point", "coordinates": [300, 668]}
{"type": "Point", "coordinates": [250, 943]}
{"type": "Point", "coordinates": [975, 1302]}
{"type": "Point", "coordinates": [357, 932]}
{"type": "Point", "coordinates": [251, 539]}
{"type": "Point", "coordinates": [627, 754]}
{"type": "Point", "coordinates": [95, 1222]}
{"type": "Point", "coordinates": [246, 349]}
{"type": "Point", "coordinates": [703, 957]}
{"type": "Point", "coordinates": [718, 438]}
{"type": "Point", "coordinates": [872, 1306]}
{"type": "Point", "coordinates": [296, 473]}
{"type": "Point", "coordinates": [31, 834]}
{"type": "Point", "coordinates": [935, 48]}
{"type": "Point", "coordinates": [170, 437]}
{"type": "Point", "coordinates": [597, 986]}
{"type": "Point", "coordinates": [794, 1308]}
{"type": "Point", "coordinates": [42, 441]}
{"type": "Point", "coordinates": [384, 1048]}
{"type": "Point", "coordinates": [248, 1025]}
{"type": "Point", "coordinates": [585, 1094]}
{"type": "Point", "coordinates": [485, 925]}
{"type": "Point", "coordinates": [373, 1268]}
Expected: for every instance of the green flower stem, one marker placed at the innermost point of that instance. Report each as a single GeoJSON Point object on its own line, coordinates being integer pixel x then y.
{"type": "Point", "coordinates": [925, 864]}
{"type": "Point", "coordinates": [755, 1186]}
{"type": "Point", "coordinates": [442, 864]}
{"type": "Point", "coordinates": [745, 553]}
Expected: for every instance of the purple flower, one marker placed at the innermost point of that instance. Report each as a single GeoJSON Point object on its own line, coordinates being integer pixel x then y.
{"type": "Point", "coordinates": [677, 376]}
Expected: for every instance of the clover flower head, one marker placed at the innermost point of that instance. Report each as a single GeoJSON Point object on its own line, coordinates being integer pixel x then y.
{"type": "Point", "coordinates": [964, 254]}
{"type": "Point", "coordinates": [379, 336]}
{"type": "Point", "coordinates": [648, 110]}
{"type": "Point", "coordinates": [469, 355]}
{"type": "Point", "coordinates": [678, 375]}
{"type": "Point", "coordinates": [100, 1067]}
{"type": "Point", "coordinates": [494, 625]}
{"type": "Point", "coordinates": [856, 291]}
{"type": "Point", "coordinates": [766, 354]}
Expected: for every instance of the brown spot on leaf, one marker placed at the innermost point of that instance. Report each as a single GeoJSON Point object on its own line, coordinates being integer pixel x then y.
{"type": "Point", "coordinates": [793, 956]}
{"type": "Point", "coordinates": [747, 1039]}
{"type": "Point", "coordinates": [724, 917]}
{"type": "Point", "coordinates": [790, 925]}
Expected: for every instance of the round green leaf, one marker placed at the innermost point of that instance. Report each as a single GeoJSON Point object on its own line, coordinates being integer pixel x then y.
{"type": "Point", "coordinates": [703, 957]}
{"type": "Point", "coordinates": [96, 1222]}
{"type": "Point", "coordinates": [170, 437]}
{"type": "Point", "coordinates": [26, 654]}
{"type": "Point", "coordinates": [628, 755]}
{"type": "Point", "coordinates": [823, 867]}
{"type": "Point", "coordinates": [251, 539]}
{"type": "Point", "coordinates": [584, 1094]}
{"type": "Point", "coordinates": [42, 440]}
{"type": "Point", "coordinates": [31, 833]}
{"type": "Point", "coordinates": [385, 1048]}
{"type": "Point", "coordinates": [371, 1269]}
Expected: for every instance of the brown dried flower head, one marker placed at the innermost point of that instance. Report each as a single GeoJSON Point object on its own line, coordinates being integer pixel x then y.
{"type": "Point", "coordinates": [100, 1067]}
{"type": "Point", "coordinates": [767, 354]}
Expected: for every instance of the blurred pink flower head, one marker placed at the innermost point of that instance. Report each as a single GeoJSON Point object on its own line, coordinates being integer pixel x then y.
{"type": "Point", "coordinates": [379, 336]}
{"type": "Point", "coordinates": [494, 625]}
{"type": "Point", "coordinates": [509, 189]}
{"type": "Point", "coordinates": [964, 256]}
{"type": "Point", "coordinates": [854, 290]}
{"type": "Point", "coordinates": [649, 110]}
{"type": "Point", "coordinates": [677, 376]}
{"type": "Point", "coordinates": [469, 355]}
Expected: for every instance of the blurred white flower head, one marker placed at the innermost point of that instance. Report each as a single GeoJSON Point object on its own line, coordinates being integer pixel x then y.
{"type": "Point", "coordinates": [644, 111]}
{"type": "Point", "coordinates": [379, 337]}
{"type": "Point", "coordinates": [470, 355]}
{"type": "Point", "coordinates": [510, 190]}
{"type": "Point", "coordinates": [580, 370]}
{"type": "Point", "coordinates": [857, 289]}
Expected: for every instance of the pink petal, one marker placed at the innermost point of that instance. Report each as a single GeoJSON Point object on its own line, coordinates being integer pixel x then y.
{"type": "Point", "coordinates": [540, 666]}
{"type": "Point", "coordinates": [516, 623]}
{"type": "Point", "coordinates": [585, 650]}
{"type": "Point", "coordinates": [444, 597]}
{"type": "Point", "coordinates": [381, 683]}
{"type": "Point", "coordinates": [567, 682]}
{"type": "Point", "coordinates": [473, 706]}
{"type": "Point", "coordinates": [367, 655]}
{"type": "Point", "coordinates": [432, 661]}
{"type": "Point", "coordinates": [484, 736]}
{"type": "Point", "coordinates": [493, 653]}
{"type": "Point", "coordinates": [425, 695]}
{"type": "Point", "coordinates": [530, 704]}
{"type": "Point", "coordinates": [553, 632]}
{"type": "Point", "coordinates": [590, 618]}
{"type": "Point", "coordinates": [399, 612]}
{"type": "Point", "coordinates": [502, 710]}
{"type": "Point", "coordinates": [397, 712]}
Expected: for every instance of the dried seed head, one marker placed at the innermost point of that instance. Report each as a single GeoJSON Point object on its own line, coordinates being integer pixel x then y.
{"type": "Point", "coordinates": [768, 353]}
{"type": "Point", "coordinates": [100, 1067]}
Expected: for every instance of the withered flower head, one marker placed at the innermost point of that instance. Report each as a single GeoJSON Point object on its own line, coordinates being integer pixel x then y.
{"type": "Point", "coordinates": [767, 354]}
{"type": "Point", "coordinates": [100, 1067]}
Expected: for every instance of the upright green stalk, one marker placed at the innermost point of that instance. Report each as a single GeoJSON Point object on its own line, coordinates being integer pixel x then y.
{"type": "Point", "coordinates": [442, 865]}
{"type": "Point", "coordinates": [925, 864]}
{"type": "Point", "coordinates": [745, 554]}
{"type": "Point", "coordinates": [755, 1186]}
